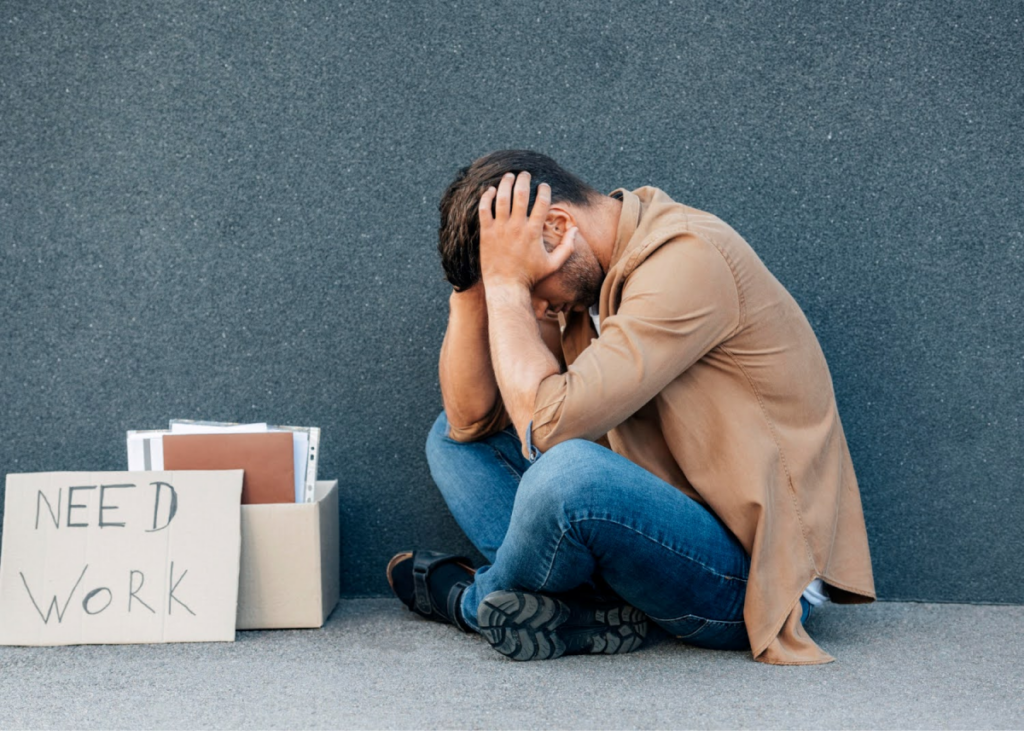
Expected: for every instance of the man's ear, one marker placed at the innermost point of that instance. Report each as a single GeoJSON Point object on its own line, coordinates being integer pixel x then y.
{"type": "Point", "coordinates": [556, 223]}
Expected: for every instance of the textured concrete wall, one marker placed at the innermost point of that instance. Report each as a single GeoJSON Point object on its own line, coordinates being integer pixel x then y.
{"type": "Point", "coordinates": [228, 211]}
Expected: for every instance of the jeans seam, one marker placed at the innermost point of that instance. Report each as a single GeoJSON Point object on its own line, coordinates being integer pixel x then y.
{"type": "Point", "coordinates": [508, 465]}
{"type": "Point", "coordinates": [703, 624]}
{"type": "Point", "coordinates": [551, 563]}
{"type": "Point", "coordinates": [705, 620]}
{"type": "Point", "coordinates": [654, 540]}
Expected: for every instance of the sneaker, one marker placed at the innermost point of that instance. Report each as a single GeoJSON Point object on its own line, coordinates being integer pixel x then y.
{"type": "Point", "coordinates": [527, 626]}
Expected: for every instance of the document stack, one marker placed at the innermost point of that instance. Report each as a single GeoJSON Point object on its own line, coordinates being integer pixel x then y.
{"type": "Point", "coordinates": [280, 462]}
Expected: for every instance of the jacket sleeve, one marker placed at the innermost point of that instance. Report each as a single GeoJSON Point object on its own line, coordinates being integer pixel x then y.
{"type": "Point", "coordinates": [677, 305]}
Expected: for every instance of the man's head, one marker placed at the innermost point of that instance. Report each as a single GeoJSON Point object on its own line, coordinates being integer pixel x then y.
{"type": "Point", "coordinates": [578, 282]}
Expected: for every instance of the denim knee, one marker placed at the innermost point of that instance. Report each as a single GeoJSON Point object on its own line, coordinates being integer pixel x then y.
{"type": "Point", "coordinates": [563, 479]}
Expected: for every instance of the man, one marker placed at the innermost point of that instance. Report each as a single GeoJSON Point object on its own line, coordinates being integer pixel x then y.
{"type": "Point", "coordinates": [639, 424]}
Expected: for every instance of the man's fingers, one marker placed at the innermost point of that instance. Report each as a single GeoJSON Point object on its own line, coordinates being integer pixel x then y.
{"type": "Point", "coordinates": [561, 253]}
{"type": "Point", "coordinates": [503, 200]}
{"type": "Point", "coordinates": [484, 211]}
{"type": "Point", "coordinates": [541, 206]}
{"type": "Point", "coordinates": [521, 196]}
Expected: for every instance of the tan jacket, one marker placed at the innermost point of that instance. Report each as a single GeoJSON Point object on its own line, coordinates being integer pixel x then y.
{"type": "Point", "coordinates": [707, 374]}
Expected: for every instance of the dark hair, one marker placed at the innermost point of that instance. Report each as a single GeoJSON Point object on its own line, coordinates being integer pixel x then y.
{"type": "Point", "coordinates": [459, 232]}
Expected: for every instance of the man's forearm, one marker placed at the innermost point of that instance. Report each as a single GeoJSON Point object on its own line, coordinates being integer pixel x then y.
{"type": "Point", "coordinates": [520, 357]}
{"type": "Point", "coordinates": [468, 385]}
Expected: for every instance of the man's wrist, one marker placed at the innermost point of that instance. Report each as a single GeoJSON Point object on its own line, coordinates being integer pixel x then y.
{"type": "Point", "coordinates": [472, 298]}
{"type": "Point", "coordinates": [507, 287]}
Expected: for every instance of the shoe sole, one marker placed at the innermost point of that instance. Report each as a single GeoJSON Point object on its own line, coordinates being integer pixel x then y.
{"type": "Point", "coordinates": [395, 560]}
{"type": "Point", "coordinates": [526, 626]}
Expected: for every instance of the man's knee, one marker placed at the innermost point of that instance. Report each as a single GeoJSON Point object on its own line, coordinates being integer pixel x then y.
{"type": "Point", "coordinates": [573, 451]}
{"type": "Point", "coordinates": [564, 476]}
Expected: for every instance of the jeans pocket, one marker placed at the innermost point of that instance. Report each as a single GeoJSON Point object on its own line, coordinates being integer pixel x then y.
{"type": "Point", "coordinates": [708, 633]}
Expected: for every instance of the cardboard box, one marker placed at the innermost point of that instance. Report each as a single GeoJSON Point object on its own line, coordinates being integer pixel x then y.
{"type": "Point", "coordinates": [290, 573]}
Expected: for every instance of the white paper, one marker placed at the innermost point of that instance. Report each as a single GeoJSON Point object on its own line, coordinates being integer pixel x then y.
{"type": "Point", "coordinates": [146, 450]}
{"type": "Point", "coordinates": [179, 427]}
{"type": "Point", "coordinates": [300, 445]}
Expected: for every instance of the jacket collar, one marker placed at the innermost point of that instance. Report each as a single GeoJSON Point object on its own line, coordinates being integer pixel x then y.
{"type": "Point", "coordinates": [629, 220]}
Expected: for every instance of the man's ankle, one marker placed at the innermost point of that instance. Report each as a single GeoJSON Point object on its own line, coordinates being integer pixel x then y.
{"type": "Point", "coordinates": [458, 617]}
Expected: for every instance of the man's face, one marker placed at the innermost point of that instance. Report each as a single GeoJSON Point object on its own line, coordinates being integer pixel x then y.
{"type": "Point", "coordinates": [576, 286]}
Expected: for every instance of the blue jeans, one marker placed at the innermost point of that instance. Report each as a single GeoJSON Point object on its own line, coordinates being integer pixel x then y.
{"type": "Point", "coordinates": [581, 519]}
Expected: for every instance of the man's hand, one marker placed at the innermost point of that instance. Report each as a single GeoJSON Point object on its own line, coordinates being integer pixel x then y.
{"type": "Point", "coordinates": [512, 250]}
{"type": "Point", "coordinates": [513, 259]}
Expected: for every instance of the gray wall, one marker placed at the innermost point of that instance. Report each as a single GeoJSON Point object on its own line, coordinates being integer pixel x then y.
{"type": "Point", "coordinates": [229, 212]}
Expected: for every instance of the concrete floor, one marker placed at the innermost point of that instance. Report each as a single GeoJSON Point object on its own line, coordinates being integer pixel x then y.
{"type": "Point", "coordinates": [375, 665]}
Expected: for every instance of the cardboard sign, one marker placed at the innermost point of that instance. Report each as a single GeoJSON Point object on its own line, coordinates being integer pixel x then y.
{"type": "Point", "coordinates": [120, 557]}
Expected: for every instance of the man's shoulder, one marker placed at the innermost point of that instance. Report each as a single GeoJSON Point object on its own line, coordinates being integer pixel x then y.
{"type": "Point", "coordinates": [675, 230]}
{"type": "Point", "coordinates": [667, 219]}
{"type": "Point", "coordinates": [656, 201]}
{"type": "Point", "coordinates": [683, 257]}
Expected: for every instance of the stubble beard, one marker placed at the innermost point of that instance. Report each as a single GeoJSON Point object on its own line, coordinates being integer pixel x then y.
{"type": "Point", "coordinates": [583, 277]}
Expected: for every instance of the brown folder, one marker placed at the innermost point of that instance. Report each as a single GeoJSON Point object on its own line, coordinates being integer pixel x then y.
{"type": "Point", "coordinates": [267, 459]}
